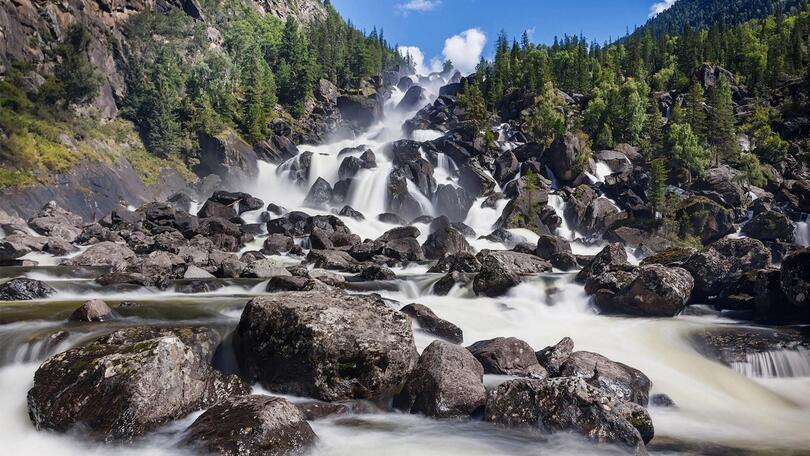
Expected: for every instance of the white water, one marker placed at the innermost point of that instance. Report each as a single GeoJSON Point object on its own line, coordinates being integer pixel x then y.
{"type": "Point", "coordinates": [803, 232]}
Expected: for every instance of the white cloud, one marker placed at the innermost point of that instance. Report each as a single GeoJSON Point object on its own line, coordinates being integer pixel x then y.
{"type": "Point", "coordinates": [418, 58]}
{"type": "Point", "coordinates": [465, 49]}
{"type": "Point", "coordinates": [660, 7]}
{"type": "Point", "coordinates": [418, 5]}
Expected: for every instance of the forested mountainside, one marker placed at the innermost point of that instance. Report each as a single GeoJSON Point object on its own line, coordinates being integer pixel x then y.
{"type": "Point", "coordinates": [152, 81]}
{"type": "Point", "coordinates": [706, 13]}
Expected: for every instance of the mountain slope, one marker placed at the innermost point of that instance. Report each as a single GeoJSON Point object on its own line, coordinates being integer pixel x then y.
{"type": "Point", "coordinates": [704, 13]}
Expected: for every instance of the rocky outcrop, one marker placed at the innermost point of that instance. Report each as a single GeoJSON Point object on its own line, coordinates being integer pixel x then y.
{"type": "Point", "coordinates": [251, 425]}
{"type": "Point", "coordinates": [227, 156]}
{"type": "Point", "coordinates": [128, 383]}
{"type": "Point", "coordinates": [327, 345]}
{"type": "Point", "coordinates": [721, 261]}
{"type": "Point", "coordinates": [447, 382]}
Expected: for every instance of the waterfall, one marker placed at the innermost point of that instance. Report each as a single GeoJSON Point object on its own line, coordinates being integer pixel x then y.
{"type": "Point", "coordinates": [558, 204]}
{"type": "Point", "coordinates": [779, 364]}
{"type": "Point", "coordinates": [803, 232]}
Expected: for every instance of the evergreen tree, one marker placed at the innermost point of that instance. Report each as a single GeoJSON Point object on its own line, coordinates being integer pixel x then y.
{"type": "Point", "coordinates": [694, 110]}
{"type": "Point", "coordinates": [654, 130]}
{"type": "Point", "coordinates": [547, 122]}
{"type": "Point", "coordinates": [722, 132]}
{"type": "Point", "coordinates": [687, 149]}
{"type": "Point", "coordinates": [164, 133]}
{"type": "Point", "coordinates": [78, 80]}
{"type": "Point", "coordinates": [656, 187]}
{"type": "Point", "coordinates": [472, 101]}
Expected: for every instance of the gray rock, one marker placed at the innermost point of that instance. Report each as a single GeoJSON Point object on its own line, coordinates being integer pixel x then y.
{"type": "Point", "coordinates": [325, 344]}
{"type": "Point", "coordinates": [503, 270]}
{"type": "Point", "coordinates": [445, 241]}
{"type": "Point", "coordinates": [508, 356]}
{"type": "Point", "coordinates": [795, 279]}
{"type": "Point", "coordinates": [194, 272]}
{"type": "Point", "coordinates": [123, 385]}
{"type": "Point", "coordinates": [459, 262]}
{"type": "Point", "coordinates": [713, 266]}
{"type": "Point", "coordinates": [431, 323]}
{"type": "Point", "coordinates": [94, 310]}
{"type": "Point", "coordinates": [264, 269]}
{"type": "Point", "coordinates": [103, 254]}
{"type": "Point", "coordinates": [620, 380]}
{"type": "Point", "coordinates": [447, 382]}
{"type": "Point", "coordinates": [264, 425]}
{"type": "Point", "coordinates": [553, 357]}
{"type": "Point", "coordinates": [24, 290]}
{"type": "Point", "coordinates": [656, 291]}
{"type": "Point", "coordinates": [54, 221]}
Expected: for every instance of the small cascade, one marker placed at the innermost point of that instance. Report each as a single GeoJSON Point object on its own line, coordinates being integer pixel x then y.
{"type": "Point", "coordinates": [445, 171]}
{"type": "Point", "coordinates": [775, 364]}
{"type": "Point", "coordinates": [803, 232]}
{"type": "Point", "coordinates": [564, 231]}
{"type": "Point", "coordinates": [424, 202]}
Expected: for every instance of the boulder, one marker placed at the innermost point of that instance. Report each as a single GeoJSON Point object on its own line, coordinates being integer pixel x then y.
{"type": "Point", "coordinates": [276, 149]}
{"type": "Point", "coordinates": [656, 291]}
{"type": "Point", "coordinates": [348, 211]}
{"type": "Point", "coordinates": [445, 241]}
{"type": "Point", "coordinates": [216, 209]}
{"type": "Point", "coordinates": [562, 404]}
{"type": "Point", "coordinates": [705, 219]}
{"type": "Point", "coordinates": [452, 201]}
{"type": "Point", "coordinates": [507, 356]}
{"type": "Point", "coordinates": [770, 226]}
{"type": "Point", "coordinates": [360, 112]}
{"type": "Point", "coordinates": [795, 279]}
{"type": "Point", "coordinates": [405, 83]}
{"type": "Point", "coordinates": [20, 244]}
{"type": "Point", "coordinates": [264, 269]}
{"type": "Point", "coordinates": [552, 358]}
{"type": "Point", "coordinates": [327, 345]}
{"type": "Point", "coordinates": [94, 310]}
{"type": "Point", "coordinates": [377, 272]}
{"type": "Point", "coordinates": [127, 383]}
{"type": "Point", "coordinates": [460, 262]}
{"type": "Point", "coordinates": [227, 156]}
{"type": "Point", "coordinates": [289, 283]}
{"type": "Point", "coordinates": [414, 98]}
{"type": "Point", "coordinates": [103, 254]}
{"type": "Point", "coordinates": [320, 194]}
{"type": "Point", "coordinates": [277, 243]}
{"type": "Point", "coordinates": [447, 383]}
{"type": "Point", "coordinates": [502, 270]}
{"type": "Point", "coordinates": [54, 221]}
{"type": "Point", "coordinates": [719, 262]}
{"type": "Point", "coordinates": [620, 380]}
{"type": "Point", "coordinates": [403, 249]}
{"type": "Point", "coordinates": [431, 323]}
{"type": "Point", "coordinates": [443, 286]}
{"type": "Point", "coordinates": [264, 425]}
{"type": "Point", "coordinates": [24, 290]}
{"type": "Point", "coordinates": [561, 156]}
{"type": "Point", "coordinates": [549, 245]}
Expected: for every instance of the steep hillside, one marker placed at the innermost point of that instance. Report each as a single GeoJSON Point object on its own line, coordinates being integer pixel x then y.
{"type": "Point", "coordinates": [705, 13]}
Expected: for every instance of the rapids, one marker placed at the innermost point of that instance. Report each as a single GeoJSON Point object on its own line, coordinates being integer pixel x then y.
{"type": "Point", "coordinates": [760, 405]}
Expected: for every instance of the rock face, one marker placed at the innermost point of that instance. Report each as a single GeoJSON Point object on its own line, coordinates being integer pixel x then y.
{"type": "Point", "coordinates": [251, 425]}
{"type": "Point", "coordinates": [327, 345]}
{"type": "Point", "coordinates": [228, 157]}
{"type": "Point", "coordinates": [563, 404]}
{"type": "Point", "coordinates": [24, 290]}
{"type": "Point", "coordinates": [447, 382]}
{"type": "Point", "coordinates": [507, 356]}
{"type": "Point", "coordinates": [128, 383]}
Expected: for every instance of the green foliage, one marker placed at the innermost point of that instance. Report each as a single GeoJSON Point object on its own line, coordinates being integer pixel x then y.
{"type": "Point", "coordinates": [686, 147]}
{"type": "Point", "coordinates": [619, 110]}
{"type": "Point", "coordinates": [76, 80]}
{"type": "Point", "coordinates": [547, 122]}
{"type": "Point", "coordinates": [723, 135]}
{"type": "Point", "coordinates": [694, 110]}
{"type": "Point", "coordinates": [471, 100]}
{"type": "Point", "coordinates": [584, 155]}
{"type": "Point", "coordinates": [653, 144]}
{"type": "Point", "coordinates": [751, 170]}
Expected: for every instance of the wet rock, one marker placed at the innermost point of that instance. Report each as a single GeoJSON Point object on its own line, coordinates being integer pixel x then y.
{"type": "Point", "coordinates": [347, 211]}
{"type": "Point", "coordinates": [561, 156]}
{"type": "Point", "coordinates": [443, 286]}
{"type": "Point", "coordinates": [620, 380]}
{"type": "Point", "coordinates": [612, 258]}
{"type": "Point", "coordinates": [123, 386]}
{"type": "Point", "coordinates": [54, 221]}
{"type": "Point", "coordinates": [549, 245]}
{"type": "Point", "coordinates": [264, 269]}
{"type": "Point", "coordinates": [795, 279]}
{"type": "Point", "coordinates": [276, 149]}
{"type": "Point", "coordinates": [507, 356]}
{"type": "Point", "coordinates": [503, 270]}
{"type": "Point", "coordinates": [227, 156]}
{"type": "Point", "coordinates": [377, 272]}
{"type": "Point", "coordinates": [330, 278]}
{"type": "Point", "coordinates": [661, 400]}
{"type": "Point", "coordinates": [275, 244]}
{"type": "Point", "coordinates": [656, 291]}
{"type": "Point", "coordinates": [552, 358]}
{"type": "Point", "coordinates": [475, 179]}
{"type": "Point", "coordinates": [414, 97]}
{"type": "Point", "coordinates": [328, 345]}
{"type": "Point", "coordinates": [673, 256]}
{"type": "Point", "coordinates": [704, 218]}
{"type": "Point", "coordinates": [405, 83]}
{"type": "Point", "coordinates": [506, 167]}
{"type": "Point", "coordinates": [251, 425]}
{"type": "Point", "coordinates": [393, 219]}
{"type": "Point", "coordinates": [562, 404]}
{"type": "Point", "coordinates": [215, 209]}
{"type": "Point", "coordinates": [289, 283]}
{"type": "Point", "coordinates": [59, 247]}
{"type": "Point", "coordinates": [431, 323]}
{"type": "Point", "coordinates": [770, 226]}
{"type": "Point", "coordinates": [320, 194]}
{"type": "Point", "coordinates": [94, 310]}
{"type": "Point", "coordinates": [719, 262]}
{"type": "Point", "coordinates": [360, 112]}
{"type": "Point", "coordinates": [461, 262]}
{"type": "Point", "coordinates": [403, 249]}
{"type": "Point", "coordinates": [18, 245]}
{"type": "Point", "coordinates": [445, 241]}
{"type": "Point", "coordinates": [24, 290]}
{"type": "Point", "coordinates": [447, 382]}
{"type": "Point", "coordinates": [454, 202]}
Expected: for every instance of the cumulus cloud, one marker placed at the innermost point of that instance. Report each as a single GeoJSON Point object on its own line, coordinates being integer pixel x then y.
{"type": "Point", "coordinates": [418, 58]}
{"type": "Point", "coordinates": [660, 7]}
{"type": "Point", "coordinates": [465, 49]}
{"type": "Point", "coordinates": [418, 5]}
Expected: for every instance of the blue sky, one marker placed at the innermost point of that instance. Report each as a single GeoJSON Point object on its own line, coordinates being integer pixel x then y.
{"type": "Point", "coordinates": [426, 24]}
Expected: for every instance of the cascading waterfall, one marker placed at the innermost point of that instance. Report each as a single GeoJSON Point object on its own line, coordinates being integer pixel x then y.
{"type": "Point", "coordinates": [778, 364]}
{"type": "Point", "coordinates": [803, 232]}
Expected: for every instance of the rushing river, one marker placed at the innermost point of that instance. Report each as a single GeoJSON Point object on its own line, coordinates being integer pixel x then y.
{"type": "Point", "coordinates": [762, 404]}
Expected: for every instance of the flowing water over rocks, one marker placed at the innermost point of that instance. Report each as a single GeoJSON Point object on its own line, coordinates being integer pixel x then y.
{"type": "Point", "coordinates": [330, 237]}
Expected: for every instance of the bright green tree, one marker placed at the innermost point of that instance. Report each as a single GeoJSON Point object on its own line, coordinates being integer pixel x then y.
{"type": "Point", "coordinates": [656, 188]}
{"type": "Point", "coordinates": [547, 122]}
{"type": "Point", "coordinates": [722, 133]}
{"type": "Point", "coordinates": [472, 101]}
{"type": "Point", "coordinates": [686, 148]}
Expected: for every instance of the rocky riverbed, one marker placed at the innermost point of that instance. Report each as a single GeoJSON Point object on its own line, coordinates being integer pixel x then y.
{"type": "Point", "coordinates": [409, 289]}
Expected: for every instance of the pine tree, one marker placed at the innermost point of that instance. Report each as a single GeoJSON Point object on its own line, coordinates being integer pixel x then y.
{"type": "Point", "coordinates": [654, 130]}
{"type": "Point", "coordinates": [547, 122]}
{"type": "Point", "coordinates": [686, 148]}
{"type": "Point", "coordinates": [472, 101]}
{"type": "Point", "coordinates": [694, 110]}
{"type": "Point", "coordinates": [723, 136]}
{"type": "Point", "coordinates": [164, 133]}
{"type": "Point", "coordinates": [656, 187]}
{"type": "Point", "coordinates": [77, 78]}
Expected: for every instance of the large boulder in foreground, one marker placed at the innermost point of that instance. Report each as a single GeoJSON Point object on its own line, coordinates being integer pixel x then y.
{"type": "Point", "coordinates": [447, 382]}
{"type": "Point", "coordinates": [564, 404]}
{"type": "Point", "coordinates": [327, 345]}
{"type": "Point", "coordinates": [128, 383]}
{"type": "Point", "coordinates": [264, 425]}
{"type": "Point", "coordinates": [24, 290]}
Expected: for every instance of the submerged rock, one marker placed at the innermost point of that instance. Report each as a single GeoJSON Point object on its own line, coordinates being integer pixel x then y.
{"type": "Point", "coordinates": [127, 384]}
{"type": "Point", "coordinates": [263, 425]}
{"type": "Point", "coordinates": [327, 345]}
{"type": "Point", "coordinates": [447, 382]}
{"type": "Point", "coordinates": [24, 290]}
